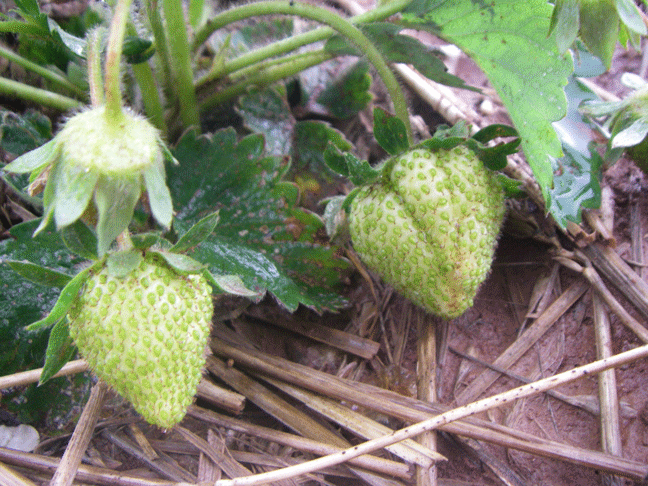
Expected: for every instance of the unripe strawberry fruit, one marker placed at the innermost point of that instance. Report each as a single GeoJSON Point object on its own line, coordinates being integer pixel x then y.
{"type": "Point", "coordinates": [430, 226]}
{"type": "Point", "coordinates": [145, 335]}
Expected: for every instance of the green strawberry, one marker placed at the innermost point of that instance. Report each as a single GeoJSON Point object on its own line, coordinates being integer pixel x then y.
{"type": "Point", "coordinates": [430, 226]}
{"type": "Point", "coordinates": [145, 335]}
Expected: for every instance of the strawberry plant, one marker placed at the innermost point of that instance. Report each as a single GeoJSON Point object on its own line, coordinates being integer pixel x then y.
{"type": "Point", "coordinates": [175, 119]}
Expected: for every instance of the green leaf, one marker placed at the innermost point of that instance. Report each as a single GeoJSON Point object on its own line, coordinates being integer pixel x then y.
{"type": "Point", "coordinates": [22, 133]}
{"type": "Point", "coordinates": [262, 237]}
{"type": "Point", "coordinates": [68, 295]}
{"type": "Point", "coordinates": [349, 94]}
{"type": "Point", "coordinates": [311, 137]}
{"type": "Point", "coordinates": [390, 132]}
{"type": "Point", "coordinates": [599, 28]}
{"type": "Point", "coordinates": [630, 16]}
{"type": "Point", "coordinates": [266, 111]}
{"type": "Point", "coordinates": [22, 302]}
{"type": "Point", "coordinates": [73, 43]}
{"type": "Point", "coordinates": [80, 239]}
{"type": "Point", "coordinates": [197, 233]}
{"type": "Point", "coordinates": [508, 40]}
{"type": "Point", "coordinates": [137, 50]}
{"type": "Point", "coordinates": [577, 185]}
{"type": "Point", "coordinates": [38, 274]}
{"type": "Point", "coordinates": [397, 48]}
{"type": "Point", "coordinates": [60, 349]}
{"type": "Point", "coordinates": [37, 159]}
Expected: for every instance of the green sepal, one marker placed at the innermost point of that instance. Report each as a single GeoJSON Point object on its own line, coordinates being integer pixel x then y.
{"type": "Point", "coordinates": [631, 134]}
{"type": "Point", "coordinates": [196, 234]}
{"type": "Point", "coordinates": [336, 221]}
{"type": "Point", "coordinates": [40, 275]}
{"type": "Point", "coordinates": [144, 241]}
{"type": "Point", "coordinates": [182, 264]}
{"type": "Point", "coordinates": [36, 159]}
{"type": "Point", "coordinates": [358, 171]}
{"type": "Point", "coordinates": [69, 293]}
{"type": "Point", "coordinates": [60, 350]}
{"type": "Point", "coordinates": [115, 200]}
{"type": "Point", "coordinates": [231, 284]}
{"type": "Point", "coordinates": [494, 131]}
{"type": "Point", "coordinates": [80, 239]}
{"type": "Point", "coordinates": [48, 198]}
{"type": "Point", "coordinates": [158, 194]}
{"type": "Point", "coordinates": [390, 132]}
{"type": "Point", "coordinates": [121, 263]}
{"type": "Point", "coordinates": [73, 190]}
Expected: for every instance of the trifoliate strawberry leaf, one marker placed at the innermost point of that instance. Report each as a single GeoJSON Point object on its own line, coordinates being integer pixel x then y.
{"type": "Point", "coordinates": [261, 237]}
{"type": "Point", "coordinates": [508, 40]}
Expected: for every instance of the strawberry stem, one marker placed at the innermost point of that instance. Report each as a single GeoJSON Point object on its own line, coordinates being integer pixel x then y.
{"type": "Point", "coordinates": [95, 79]}
{"type": "Point", "coordinates": [334, 21]}
{"type": "Point", "coordinates": [113, 60]}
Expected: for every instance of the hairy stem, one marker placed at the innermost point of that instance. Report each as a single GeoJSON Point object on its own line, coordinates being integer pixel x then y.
{"type": "Point", "coordinates": [48, 74]}
{"type": "Point", "coordinates": [95, 78]}
{"type": "Point", "coordinates": [176, 30]}
{"type": "Point", "coordinates": [43, 97]}
{"type": "Point", "coordinates": [113, 59]}
{"type": "Point", "coordinates": [335, 22]}
{"type": "Point", "coordinates": [268, 74]}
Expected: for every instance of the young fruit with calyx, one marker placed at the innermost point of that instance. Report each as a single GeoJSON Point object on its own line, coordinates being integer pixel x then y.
{"type": "Point", "coordinates": [427, 219]}
{"type": "Point", "coordinates": [429, 226]}
{"type": "Point", "coordinates": [141, 318]}
{"type": "Point", "coordinates": [144, 334]}
{"type": "Point", "coordinates": [97, 167]}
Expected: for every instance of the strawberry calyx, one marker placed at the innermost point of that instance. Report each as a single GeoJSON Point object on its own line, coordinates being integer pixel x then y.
{"type": "Point", "coordinates": [97, 168]}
